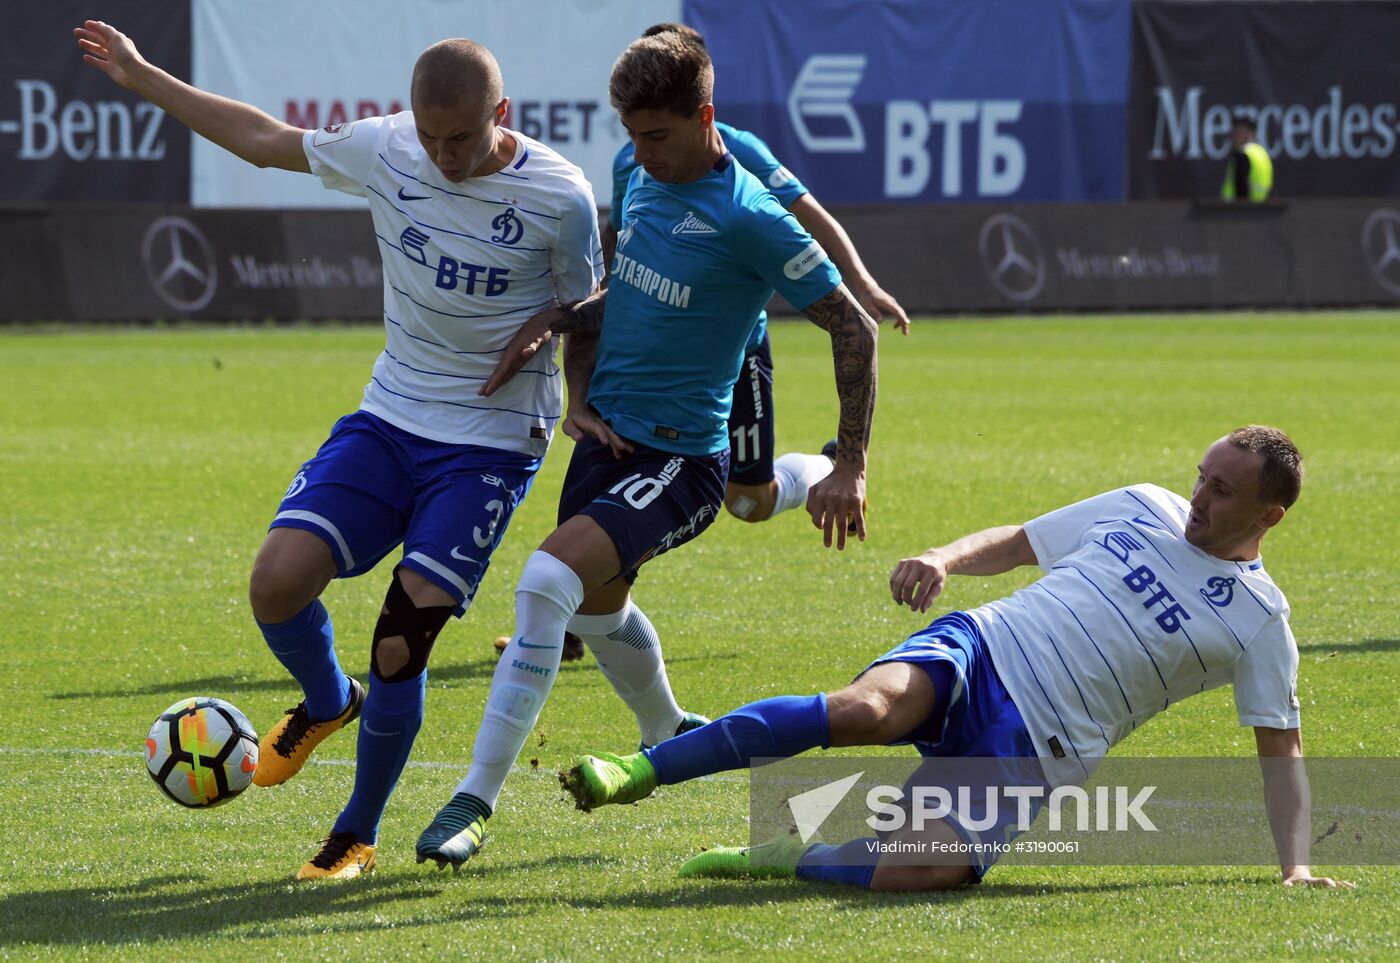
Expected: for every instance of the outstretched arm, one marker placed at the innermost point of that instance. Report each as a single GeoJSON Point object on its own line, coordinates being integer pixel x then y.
{"type": "Point", "coordinates": [916, 582]}
{"type": "Point", "coordinates": [584, 318]}
{"type": "Point", "coordinates": [1288, 800]}
{"type": "Point", "coordinates": [828, 232]}
{"type": "Point", "coordinates": [242, 129]}
{"type": "Point", "coordinates": [839, 498]}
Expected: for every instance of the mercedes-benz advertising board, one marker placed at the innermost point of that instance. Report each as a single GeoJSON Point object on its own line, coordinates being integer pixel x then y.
{"type": "Point", "coordinates": [1321, 82]}
{"type": "Point", "coordinates": [69, 134]}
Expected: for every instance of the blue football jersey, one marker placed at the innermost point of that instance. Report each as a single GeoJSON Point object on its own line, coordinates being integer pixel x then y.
{"type": "Point", "coordinates": [753, 156]}
{"type": "Point", "coordinates": [695, 264]}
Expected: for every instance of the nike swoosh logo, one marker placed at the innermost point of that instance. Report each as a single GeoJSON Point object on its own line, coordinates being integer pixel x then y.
{"type": "Point", "coordinates": [531, 645]}
{"type": "Point", "coordinates": [459, 556]}
{"type": "Point", "coordinates": [411, 197]}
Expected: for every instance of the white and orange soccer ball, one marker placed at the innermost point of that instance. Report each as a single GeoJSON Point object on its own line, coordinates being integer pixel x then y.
{"type": "Point", "coordinates": [202, 752]}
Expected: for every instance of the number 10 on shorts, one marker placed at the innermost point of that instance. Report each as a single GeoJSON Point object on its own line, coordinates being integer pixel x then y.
{"type": "Point", "coordinates": [641, 492]}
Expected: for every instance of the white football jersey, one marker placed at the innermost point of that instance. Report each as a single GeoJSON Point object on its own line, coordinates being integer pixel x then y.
{"type": "Point", "coordinates": [1129, 618]}
{"type": "Point", "coordinates": [465, 264]}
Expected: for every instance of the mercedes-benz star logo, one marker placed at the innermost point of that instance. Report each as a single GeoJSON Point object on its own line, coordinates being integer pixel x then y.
{"type": "Point", "coordinates": [1012, 256]}
{"type": "Point", "coordinates": [179, 263]}
{"type": "Point", "coordinates": [1380, 243]}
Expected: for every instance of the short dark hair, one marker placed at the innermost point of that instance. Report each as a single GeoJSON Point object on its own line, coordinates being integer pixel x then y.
{"type": "Point", "coordinates": [689, 33]}
{"type": "Point", "coordinates": [662, 72]}
{"type": "Point", "coordinates": [1246, 123]}
{"type": "Point", "coordinates": [1281, 477]}
{"type": "Point", "coordinates": [450, 70]}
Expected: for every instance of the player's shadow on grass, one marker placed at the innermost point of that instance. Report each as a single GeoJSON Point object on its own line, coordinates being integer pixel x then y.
{"type": "Point", "coordinates": [229, 686]}
{"type": "Point", "coordinates": [1352, 648]}
{"type": "Point", "coordinates": [180, 907]}
{"type": "Point", "coordinates": [190, 907]}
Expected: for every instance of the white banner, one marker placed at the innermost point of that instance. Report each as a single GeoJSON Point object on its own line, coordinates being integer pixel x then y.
{"type": "Point", "coordinates": [317, 62]}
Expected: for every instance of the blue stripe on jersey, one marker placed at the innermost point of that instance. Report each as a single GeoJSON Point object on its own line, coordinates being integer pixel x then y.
{"type": "Point", "coordinates": [448, 314]}
{"type": "Point", "coordinates": [436, 344]}
{"type": "Point", "coordinates": [409, 334]}
{"type": "Point", "coordinates": [470, 197]}
{"type": "Point", "coordinates": [1075, 682]}
{"type": "Point", "coordinates": [1048, 701]}
{"type": "Point", "coordinates": [1216, 612]}
{"type": "Point", "coordinates": [1148, 509]}
{"type": "Point", "coordinates": [444, 374]}
{"type": "Point", "coordinates": [461, 404]}
{"type": "Point", "coordinates": [1138, 523]}
{"type": "Point", "coordinates": [523, 158]}
{"type": "Point", "coordinates": [1109, 665]}
{"type": "Point", "coordinates": [449, 231]}
{"type": "Point", "coordinates": [1192, 642]}
{"type": "Point", "coordinates": [1110, 601]}
{"type": "Point", "coordinates": [1250, 592]}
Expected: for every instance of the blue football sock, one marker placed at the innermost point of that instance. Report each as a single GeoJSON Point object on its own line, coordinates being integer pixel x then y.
{"type": "Point", "coordinates": [781, 726]}
{"type": "Point", "coordinates": [305, 644]}
{"type": "Point", "coordinates": [389, 722]}
{"type": "Point", "coordinates": [850, 863]}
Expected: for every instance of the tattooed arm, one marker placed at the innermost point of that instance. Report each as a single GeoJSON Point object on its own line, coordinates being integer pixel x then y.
{"type": "Point", "coordinates": [583, 318]}
{"type": "Point", "coordinates": [839, 499]}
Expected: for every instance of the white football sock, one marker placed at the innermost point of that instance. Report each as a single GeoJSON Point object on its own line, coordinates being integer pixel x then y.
{"type": "Point", "coordinates": [548, 594]}
{"type": "Point", "coordinates": [628, 651]}
{"type": "Point", "coordinates": [795, 473]}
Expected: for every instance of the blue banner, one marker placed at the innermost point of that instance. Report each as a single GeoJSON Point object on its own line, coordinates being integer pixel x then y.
{"type": "Point", "coordinates": [929, 100]}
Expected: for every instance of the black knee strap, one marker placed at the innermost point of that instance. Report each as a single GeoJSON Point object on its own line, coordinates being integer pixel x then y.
{"type": "Point", "coordinates": [419, 628]}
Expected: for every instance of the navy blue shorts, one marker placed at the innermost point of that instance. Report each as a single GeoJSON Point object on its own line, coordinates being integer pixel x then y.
{"type": "Point", "coordinates": [372, 486]}
{"type": "Point", "coordinates": [648, 501]}
{"type": "Point", "coordinates": [751, 419]}
{"type": "Point", "coordinates": [975, 741]}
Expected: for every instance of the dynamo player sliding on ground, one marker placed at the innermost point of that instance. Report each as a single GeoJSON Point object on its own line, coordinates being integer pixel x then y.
{"type": "Point", "coordinates": [1147, 598]}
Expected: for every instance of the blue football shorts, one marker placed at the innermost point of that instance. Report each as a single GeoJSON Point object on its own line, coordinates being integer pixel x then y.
{"type": "Point", "coordinates": [751, 419]}
{"type": "Point", "coordinates": [372, 486]}
{"type": "Point", "coordinates": [648, 501]}
{"type": "Point", "coordinates": [975, 740]}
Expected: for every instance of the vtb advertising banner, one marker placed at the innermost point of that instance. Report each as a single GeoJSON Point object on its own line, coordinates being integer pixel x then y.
{"type": "Point", "coordinates": [316, 63]}
{"type": "Point", "coordinates": [1321, 82]}
{"type": "Point", "coordinates": [67, 133]}
{"type": "Point", "coordinates": [929, 100]}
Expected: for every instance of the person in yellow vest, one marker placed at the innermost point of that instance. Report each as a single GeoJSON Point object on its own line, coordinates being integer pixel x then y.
{"type": "Point", "coordinates": [1249, 174]}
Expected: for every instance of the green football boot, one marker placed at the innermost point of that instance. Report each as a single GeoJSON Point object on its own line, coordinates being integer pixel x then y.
{"type": "Point", "coordinates": [604, 778]}
{"type": "Point", "coordinates": [775, 859]}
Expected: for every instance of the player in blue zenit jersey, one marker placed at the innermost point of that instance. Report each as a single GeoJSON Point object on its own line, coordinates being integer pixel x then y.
{"type": "Point", "coordinates": [703, 245]}
{"type": "Point", "coordinates": [480, 228]}
{"type": "Point", "coordinates": [1147, 598]}
{"type": "Point", "coordinates": [759, 485]}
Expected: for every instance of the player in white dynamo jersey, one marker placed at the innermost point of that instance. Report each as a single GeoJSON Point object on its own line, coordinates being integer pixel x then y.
{"type": "Point", "coordinates": [1147, 598]}
{"type": "Point", "coordinates": [479, 228]}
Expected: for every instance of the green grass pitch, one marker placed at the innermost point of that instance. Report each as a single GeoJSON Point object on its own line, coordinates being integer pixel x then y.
{"type": "Point", "coordinates": [140, 467]}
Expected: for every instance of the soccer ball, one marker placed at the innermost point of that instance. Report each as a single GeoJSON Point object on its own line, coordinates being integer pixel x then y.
{"type": "Point", "coordinates": [202, 752]}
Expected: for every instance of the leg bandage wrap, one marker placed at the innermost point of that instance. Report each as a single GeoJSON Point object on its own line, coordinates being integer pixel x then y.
{"type": "Point", "coordinates": [418, 627]}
